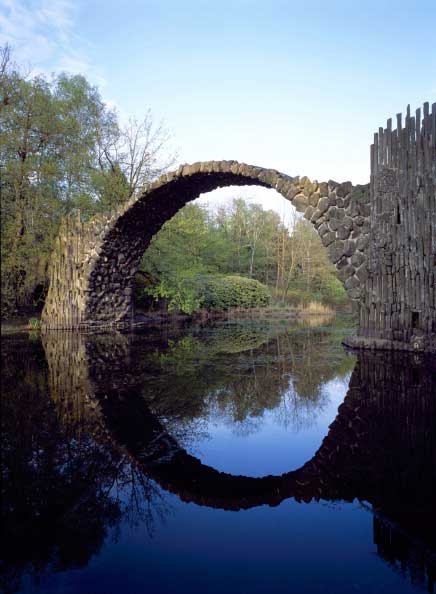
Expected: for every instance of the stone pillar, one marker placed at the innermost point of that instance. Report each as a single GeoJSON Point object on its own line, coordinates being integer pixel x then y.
{"type": "Point", "coordinates": [398, 304]}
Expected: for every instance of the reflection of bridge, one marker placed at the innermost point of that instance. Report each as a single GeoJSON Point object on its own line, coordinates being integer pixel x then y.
{"type": "Point", "coordinates": [381, 447]}
{"type": "Point", "coordinates": [381, 238]}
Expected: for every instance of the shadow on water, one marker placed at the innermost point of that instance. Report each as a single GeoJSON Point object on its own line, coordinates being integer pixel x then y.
{"type": "Point", "coordinates": [94, 426]}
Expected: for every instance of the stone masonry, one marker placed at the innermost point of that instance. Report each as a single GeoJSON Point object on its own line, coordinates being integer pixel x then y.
{"type": "Point", "coordinates": [397, 309]}
{"type": "Point", "coordinates": [94, 263]}
{"type": "Point", "coordinates": [381, 237]}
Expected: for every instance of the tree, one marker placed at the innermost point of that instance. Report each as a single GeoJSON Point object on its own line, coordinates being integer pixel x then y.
{"type": "Point", "coordinates": [175, 258]}
{"type": "Point", "coordinates": [61, 151]}
{"type": "Point", "coordinates": [143, 152]}
{"type": "Point", "coordinates": [130, 156]}
{"type": "Point", "coordinates": [244, 240]}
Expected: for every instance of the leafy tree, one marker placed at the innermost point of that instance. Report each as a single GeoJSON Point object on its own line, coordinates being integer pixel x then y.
{"type": "Point", "coordinates": [61, 151]}
{"type": "Point", "coordinates": [176, 257]}
{"type": "Point", "coordinates": [243, 240]}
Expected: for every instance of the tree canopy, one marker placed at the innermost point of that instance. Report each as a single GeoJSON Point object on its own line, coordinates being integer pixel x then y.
{"type": "Point", "coordinates": [61, 150]}
{"type": "Point", "coordinates": [242, 240]}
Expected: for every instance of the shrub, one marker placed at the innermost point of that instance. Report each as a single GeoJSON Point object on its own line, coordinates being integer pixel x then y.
{"type": "Point", "coordinates": [188, 292]}
{"type": "Point", "coordinates": [224, 292]}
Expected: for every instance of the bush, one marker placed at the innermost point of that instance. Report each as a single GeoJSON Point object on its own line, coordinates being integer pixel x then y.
{"type": "Point", "coordinates": [224, 292]}
{"type": "Point", "coordinates": [334, 292]}
{"type": "Point", "coordinates": [187, 292]}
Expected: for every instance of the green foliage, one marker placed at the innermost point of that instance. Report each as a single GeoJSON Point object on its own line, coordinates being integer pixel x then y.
{"type": "Point", "coordinates": [187, 264]}
{"type": "Point", "coordinates": [34, 324]}
{"type": "Point", "coordinates": [190, 293]}
{"type": "Point", "coordinates": [334, 292]}
{"type": "Point", "coordinates": [180, 291]}
{"type": "Point", "coordinates": [189, 260]}
{"type": "Point", "coordinates": [61, 151]}
{"type": "Point", "coordinates": [49, 133]}
{"type": "Point", "coordinates": [225, 292]}
{"type": "Point", "coordinates": [292, 361]}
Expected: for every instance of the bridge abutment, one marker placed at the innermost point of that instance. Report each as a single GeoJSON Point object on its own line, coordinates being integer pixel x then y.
{"type": "Point", "coordinates": [397, 309]}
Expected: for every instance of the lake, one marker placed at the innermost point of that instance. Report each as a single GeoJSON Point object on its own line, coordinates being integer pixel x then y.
{"type": "Point", "coordinates": [239, 456]}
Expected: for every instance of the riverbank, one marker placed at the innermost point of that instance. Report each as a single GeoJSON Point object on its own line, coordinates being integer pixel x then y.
{"type": "Point", "coordinates": [159, 318]}
{"type": "Point", "coordinates": [165, 317]}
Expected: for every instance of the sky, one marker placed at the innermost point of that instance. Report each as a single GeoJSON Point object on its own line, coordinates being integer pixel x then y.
{"type": "Point", "coordinates": [298, 86]}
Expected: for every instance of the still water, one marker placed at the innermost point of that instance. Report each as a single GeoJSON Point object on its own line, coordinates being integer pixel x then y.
{"type": "Point", "coordinates": [239, 457]}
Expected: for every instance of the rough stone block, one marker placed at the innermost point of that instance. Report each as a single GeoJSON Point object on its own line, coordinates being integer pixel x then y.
{"type": "Point", "coordinates": [323, 229]}
{"type": "Point", "coordinates": [332, 198]}
{"type": "Point", "coordinates": [362, 242]}
{"type": "Point", "coordinates": [356, 232]}
{"type": "Point", "coordinates": [334, 223]}
{"type": "Point", "coordinates": [344, 229]}
{"type": "Point", "coordinates": [354, 293]}
{"type": "Point", "coordinates": [349, 247]}
{"type": "Point", "coordinates": [352, 282]}
{"type": "Point", "coordinates": [336, 250]}
{"type": "Point", "coordinates": [328, 238]}
{"type": "Point", "coordinates": [343, 189]}
{"type": "Point", "coordinates": [362, 273]}
{"type": "Point", "coordinates": [345, 273]}
{"type": "Point", "coordinates": [316, 215]}
{"type": "Point", "coordinates": [314, 198]}
{"type": "Point", "coordinates": [323, 204]}
{"type": "Point", "coordinates": [300, 202]}
{"type": "Point", "coordinates": [342, 262]}
{"type": "Point", "coordinates": [357, 259]}
{"type": "Point", "coordinates": [323, 189]}
{"type": "Point", "coordinates": [308, 213]}
{"type": "Point", "coordinates": [292, 192]}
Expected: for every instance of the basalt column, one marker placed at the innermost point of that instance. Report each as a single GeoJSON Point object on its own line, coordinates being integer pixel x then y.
{"type": "Point", "coordinates": [398, 297]}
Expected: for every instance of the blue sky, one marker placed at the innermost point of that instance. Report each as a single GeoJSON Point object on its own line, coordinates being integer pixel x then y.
{"type": "Point", "coordinates": [297, 86]}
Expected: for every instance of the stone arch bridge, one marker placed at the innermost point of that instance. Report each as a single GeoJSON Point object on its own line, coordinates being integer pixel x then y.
{"type": "Point", "coordinates": [381, 237]}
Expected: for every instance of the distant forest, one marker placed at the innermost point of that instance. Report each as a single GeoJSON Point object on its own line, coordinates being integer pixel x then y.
{"type": "Point", "coordinates": [197, 247]}
{"type": "Point", "coordinates": [62, 150]}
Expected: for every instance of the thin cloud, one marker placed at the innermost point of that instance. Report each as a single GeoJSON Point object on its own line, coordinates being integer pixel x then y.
{"type": "Point", "coordinates": [41, 34]}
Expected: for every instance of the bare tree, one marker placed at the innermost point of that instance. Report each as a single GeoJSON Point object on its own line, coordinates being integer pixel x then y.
{"type": "Point", "coordinates": [143, 152]}
{"type": "Point", "coordinates": [130, 156]}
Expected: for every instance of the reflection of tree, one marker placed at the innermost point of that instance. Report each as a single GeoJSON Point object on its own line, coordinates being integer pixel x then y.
{"type": "Point", "coordinates": [379, 449]}
{"type": "Point", "coordinates": [77, 462]}
{"type": "Point", "coordinates": [143, 502]}
{"type": "Point", "coordinates": [64, 484]}
{"type": "Point", "coordinates": [63, 478]}
{"type": "Point", "coordinates": [239, 371]}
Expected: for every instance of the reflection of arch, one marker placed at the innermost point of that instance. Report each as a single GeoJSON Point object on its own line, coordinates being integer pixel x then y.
{"type": "Point", "coordinates": [381, 448]}
{"type": "Point", "coordinates": [391, 402]}
{"type": "Point", "coordinates": [352, 459]}
{"type": "Point", "coordinates": [94, 264]}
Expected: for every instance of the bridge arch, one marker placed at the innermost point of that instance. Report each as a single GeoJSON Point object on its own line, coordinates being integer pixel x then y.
{"type": "Point", "coordinates": [102, 256]}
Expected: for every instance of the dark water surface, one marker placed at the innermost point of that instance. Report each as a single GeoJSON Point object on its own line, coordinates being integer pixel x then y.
{"type": "Point", "coordinates": [238, 457]}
